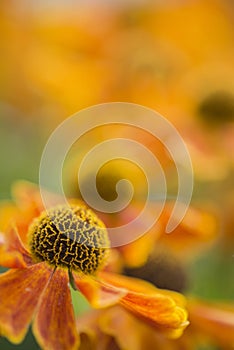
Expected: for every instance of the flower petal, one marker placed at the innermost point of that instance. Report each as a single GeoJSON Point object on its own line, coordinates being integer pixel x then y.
{"type": "Point", "coordinates": [130, 333]}
{"type": "Point", "coordinates": [54, 325]}
{"type": "Point", "coordinates": [159, 310]}
{"type": "Point", "coordinates": [28, 195]}
{"type": "Point", "coordinates": [98, 293]}
{"type": "Point", "coordinates": [90, 335]}
{"type": "Point", "coordinates": [123, 326]}
{"type": "Point", "coordinates": [214, 320]}
{"type": "Point", "coordinates": [19, 293]}
{"type": "Point", "coordinates": [25, 193]}
{"type": "Point", "coordinates": [197, 228]}
{"type": "Point", "coordinates": [12, 252]}
{"type": "Point", "coordinates": [129, 283]}
{"type": "Point", "coordinates": [29, 204]}
{"type": "Point", "coordinates": [7, 211]}
{"type": "Point", "coordinates": [144, 245]}
{"type": "Point", "coordinates": [162, 309]}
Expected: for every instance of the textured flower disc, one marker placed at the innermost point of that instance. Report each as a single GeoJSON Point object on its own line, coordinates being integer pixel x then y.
{"type": "Point", "coordinates": [71, 237]}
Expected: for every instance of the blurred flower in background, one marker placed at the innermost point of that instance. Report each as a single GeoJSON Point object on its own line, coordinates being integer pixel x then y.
{"type": "Point", "coordinates": [175, 57]}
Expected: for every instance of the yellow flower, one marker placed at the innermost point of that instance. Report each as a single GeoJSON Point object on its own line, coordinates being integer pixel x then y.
{"type": "Point", "coordinates": [67, 244]}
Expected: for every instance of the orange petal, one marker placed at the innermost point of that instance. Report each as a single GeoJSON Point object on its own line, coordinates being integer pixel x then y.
{"type": "Point", "coordinates": [98, 294]}
{"type": "Point", "coordinates": [28, 199]}
{"type": "Point", "coordinates": [213, 320]}
{"type": "Point", "coordinates": [159, 310]}
{"type": "Point", "coordinates": [129, 283]}
{"type": "Point", "coordinates": [7, 211]}
{"type": "Point", "coordinates": [19, 293]}
{"type": "Point", "coordinates": [87, 326]}
{"type": "Point", "coordinates": [196, 228]}
{"type": "Point", "coordinates": [130, 333]}
{"type": "Point", "coordinates": [143, 245]}
{"type": "Point", "coordinates": [124, 327]}
{"type": "Point", "coordinates": [12, 252]}
{"type": "Point", "coordinates": [162, 309]}
{"type": "Point", "coordinates": [26, 193]}
{"type": "Point", "coordinates": [54, 325]}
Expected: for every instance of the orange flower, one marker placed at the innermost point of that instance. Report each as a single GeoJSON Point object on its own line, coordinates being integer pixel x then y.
{"type": "Point", "coordinates": [61, 245]}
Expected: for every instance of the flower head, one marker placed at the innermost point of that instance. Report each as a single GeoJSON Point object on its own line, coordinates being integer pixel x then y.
{"type": "Point", "coordinates": [71, 237]}
{"type": "Point", "coordinates": [45, 250]}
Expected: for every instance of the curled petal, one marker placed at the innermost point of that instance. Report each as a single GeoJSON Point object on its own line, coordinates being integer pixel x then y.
{"type": "Point", "coordinates": [12, 252]}
{"type": "Point", "coordinates": [159, 310]}
{"type": "Point", "coordinates": [162, 309]}
{"type": "Point", "coordinates": [54, 325]}
{"type": "Point", "coordinates": [98, 293]}
{"type": "Point", "coordinates": [20, 290]}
